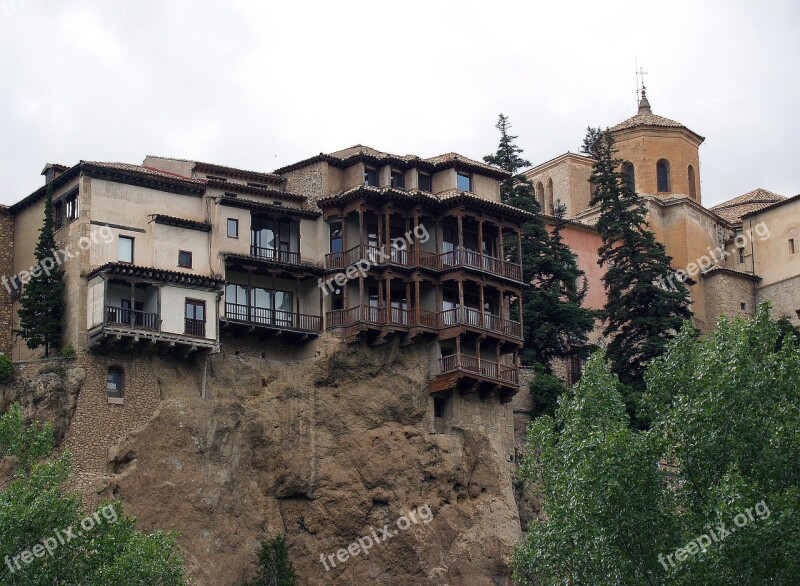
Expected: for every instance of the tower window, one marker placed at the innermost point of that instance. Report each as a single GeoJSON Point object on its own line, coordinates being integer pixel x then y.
{"type": "Point", "coordinates": [464, 182]}
{"type": "Point", "coordinates": [425, 182]}
{"type": "Point", "coordinates": [630, 175]}
{"type": "Point", "coordinates": [540, 195]}
{"type": "Point", "coordinates": [371, 176]}
{"type": "Point", "coordinates": [662, 176]}
{"type": "Point", "coordinates": [692, 188]}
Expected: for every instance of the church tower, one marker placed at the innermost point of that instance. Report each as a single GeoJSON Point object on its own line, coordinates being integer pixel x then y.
{"type": "Point", "coordinates": [661, 155]}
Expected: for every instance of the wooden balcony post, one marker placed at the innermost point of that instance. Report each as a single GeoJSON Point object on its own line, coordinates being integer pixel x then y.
{"type": "Point", "coordinates": [416, 240]}
{"type": "Point", "coordinates": [106, 287]}
{"type": "Point", "coordinates": [478, 353]}
{"type": "Point", "coordinates": [131, 317]}
{"type": "Point", "coordinates": [361, 231]}
{"type": "Point", "coordinates": [388, 231]}
{"type": "Point", "coordinates": [388, 316]}
{"type": "Point", "coordinates": [461, 298]}
{"type": "Point", "coordinates": [344, 234]}
{"type": "Point", "coordinates": [480, 243]}
{"type": "Point", "coordinates": [483, 318]}
{"type": "Point", "coordinates": [502, 254]}
{"type": "Point", "coordinates": [458, 351]}
{"type": "Point", "coordinates": [519, 306]}
{"type": "Point", "coordinates": [416, 298]}
{"type": "Point", "coordinates": [297, 299]}
{"type": "Point", "coordinates": [460, 221]}
{"type": "Point", "coordinates": [360, 291]}
{"type": "Point", "coordinates": [438, 235]}
{"type": "Point", "coordinates": [497, 356]}
{"type": "Point", "coordinates": [519, 253]}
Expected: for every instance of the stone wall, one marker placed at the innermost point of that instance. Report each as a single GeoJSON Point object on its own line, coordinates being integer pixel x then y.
{"type": "Point", "coordinates": [785, 298]}
{"type": "Point", "coordinates": [725, 293]}
{"type": "Point", "coordinates": [6, 271]}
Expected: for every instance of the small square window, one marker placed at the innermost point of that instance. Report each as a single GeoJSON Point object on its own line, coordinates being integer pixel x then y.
{"type": "Point", "coordinates": [425, 183]}
{"type": "Point", "coordinates": [791, 246]}
{"type": "Point", "coordinates": [741, 255]}
{"type": "Point", "coordinates": [125, 249]}
{"type": "Point", "coordinates": [439, 404]}
{"type": "Point", "coordinates": [464, 182]}
{"type": "Point", "coordinates": [743, 306]}
{"type": "Point", "coordinates": [233, 228]}
{"type": "Point", "coordinates": [398, 179]}
{"type": "Point", "coordinates": [114, 383]}
{"type": "Point", "coordinates": [371, 176]}
{"type": "Point", "coordinates": [185, 259]}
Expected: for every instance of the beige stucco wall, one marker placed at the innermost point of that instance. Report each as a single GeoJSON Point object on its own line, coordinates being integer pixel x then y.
{"type": "Point", "coordinates": [570, 180]}
{"type": "Point", "coordinates": [173, 306]}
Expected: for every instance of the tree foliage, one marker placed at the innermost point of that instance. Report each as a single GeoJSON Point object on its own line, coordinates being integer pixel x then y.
{"type": "Point", "coordinates": [42, 302]}
{"type": "Point", "coordinates": [641, 316]}
{"type": "Point", "coordinates": [33, 510]}
{"type": "Point", "coordinates": [554, 323]}
{"type": "Point", "coordinates": [619, 502]}
{"type": "Point", "coordinates": [274, 566]}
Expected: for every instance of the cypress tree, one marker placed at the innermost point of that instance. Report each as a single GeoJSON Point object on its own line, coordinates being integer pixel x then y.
{"type": "Point", "coordinates": [42, 301]}
{"type": "Point", "coordinates": [641, 316]}
{"type": "Point", "coordinates": [554, 323]}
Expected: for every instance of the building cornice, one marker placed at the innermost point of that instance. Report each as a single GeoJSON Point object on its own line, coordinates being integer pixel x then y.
{"type": "Point", "coordinates": [157, 275]}
{"type": "Point", "coordinates": [248, 204]}
{"type": "Point", "coordinates": [181, 223]}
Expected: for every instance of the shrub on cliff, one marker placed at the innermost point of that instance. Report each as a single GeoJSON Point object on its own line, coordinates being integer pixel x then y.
{"type": "Point", "coordinates": [6, 368]}
{"type": "Point", "coordinates": [710, 494]}
{"type": "Point", "coordinates": [275, 567]}
{"type": "Point", "coordinates": [47, 537]}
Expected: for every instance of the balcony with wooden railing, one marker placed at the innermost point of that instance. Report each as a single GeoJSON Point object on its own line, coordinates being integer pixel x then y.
{"type": "Point", "coordinates": [471, 372]}
{"type": "Point", "coordinates": [377, 256]}
{"type": "Point", "coordinates": [122, 316]}
{"type": "Point", "coordinates": [473, 318]}
{"type": "Point", "coordinates": [275, 255]}
{"type": "Point", "coordinates": [274, 319]}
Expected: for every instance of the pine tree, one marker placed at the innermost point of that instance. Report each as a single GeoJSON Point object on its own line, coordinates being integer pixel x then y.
{"type": "Point", "coordinates": [42, 300]}
{"type": "Point", "coordinates": [641, 316]}
{"type": "Point", "coordinates": [554, 323]}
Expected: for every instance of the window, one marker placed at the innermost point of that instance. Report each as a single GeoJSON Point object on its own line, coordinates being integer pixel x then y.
{"type": "Point", "coordinates": [59, 212]}
{"type": "Point", "coordinates": [71, 204]}
{"type": "Point", "coordinates": [740, 252]}
{"type": "Point", "coordinates": [398, 179]}
{"type": "Point", "coordinates": [791, 246]}
{"type": "Point", "coordinates": [336, 237]}
{"type": "Point", "coordinates": [550, 203]}
{"type": "Point", "coordinates": [195, 318]}
{"type": "Point", "coordinates": [540, 195]}
{"type": "Point", "coordinates": [792, 240]}
{"type": "Point", "coordinates": [630, 175]}
{"type": "Point", "coordinates": [125, 249]}
{"type": "Point", "coordinates": [692, 188]}
{"type": "Point", "coordinates": [464, 182]}
{"type": "Point", "coordinates": [185, 259]}
{"type": "Point", "coordinates": [425, 183]}
{"type": "Point", "coordinates": [576, 366]}
{"type": "Point", "coordinates": [662, 176]}
{"type": "Point", "coordinates": [233, 228]}
{"type": "Point", "coordinates": [371, 176]}
{"type": "Point", "coordinates": [114, 383]}
{"type": "Point", "coordinates": [66, 210]}
{"type": "Point", "coordinates": [439, 403]}
{"type": "Point", "coordinates": [743, 306]}
{"type": "Point", "coordinates": [270, 238]}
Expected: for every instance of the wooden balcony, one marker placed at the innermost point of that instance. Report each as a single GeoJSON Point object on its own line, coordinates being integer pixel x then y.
{"type": "Point", "coordinates": [272, 254]}
{"type": "Point", "coordinates": [454, 259]}
{"type": "Point", "coordinates": [471, 373]}
{"type": "Point", "coordinates": [253, 318]}
{"type": "Point", "coordinates": [460, 319]}
{"type": "Point", "coordinates": [132, 318]}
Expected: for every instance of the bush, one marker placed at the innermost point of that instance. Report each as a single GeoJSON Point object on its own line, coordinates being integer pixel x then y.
{"type": "Point", "coordinates": [545, 390]}
{"type": "Point", "coordinates": [67, 351]}
{"type": "Point", "coordinates": [6, 368]}
{"type": "Point", "coordinates": [275, 567]}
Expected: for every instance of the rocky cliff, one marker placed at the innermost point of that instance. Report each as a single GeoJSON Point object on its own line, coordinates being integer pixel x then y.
{"type": "Point", "coordinates": [324, 442]}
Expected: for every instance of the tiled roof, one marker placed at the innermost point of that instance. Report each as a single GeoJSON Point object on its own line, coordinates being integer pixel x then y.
{"type": "Point", "coordinates": [734, 209]}
{"type": "Point", "coordinates": [646, 118]}
{"type": "Point", "coordinates": [140, 169]}
{"type": "Point", "coordinates": [182, 223]}
{"type": "Point", "coordinates": [154, 274]}
{"type": "Point", "coordinates": [225, 170]}
{"type": "Point", "coordinates": [415, 195]}
{"type": "Point", "coordinates": [346, 157]}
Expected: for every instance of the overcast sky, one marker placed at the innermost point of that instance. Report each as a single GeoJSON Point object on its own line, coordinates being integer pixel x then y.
{"type": "Point", "coordinates": [259, 85]}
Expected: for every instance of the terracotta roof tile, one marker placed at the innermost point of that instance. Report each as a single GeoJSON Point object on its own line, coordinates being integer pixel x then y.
{"type": "Point", "coordinates": [734, 209]}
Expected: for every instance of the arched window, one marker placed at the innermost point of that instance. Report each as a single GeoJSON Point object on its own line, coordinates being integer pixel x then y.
{"type": "Point", "coordinates": [630, 174]}
{"type": "Point", "coordinates": [550, 207]}
{"type": "Point", "coordinates": [692, 188]}
{"type": "Point", "coordinates": [115, 382]}
{"type": "Point", "coordinates": [540, 195]}
{"type": "Point", "coordinates": [662, 176]}
{"type": "Point", "coordinates": [794, 244]}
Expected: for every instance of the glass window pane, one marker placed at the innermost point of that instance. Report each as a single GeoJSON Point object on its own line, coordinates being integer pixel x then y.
{"type": "Point", "coordinates": [233, 228]}
{"type": "Point", "coordinates": [464, 182]}
{"type": "Point", "coordinates": [125, 249]}
{"type": "Point", "coordinates": [425, 182]}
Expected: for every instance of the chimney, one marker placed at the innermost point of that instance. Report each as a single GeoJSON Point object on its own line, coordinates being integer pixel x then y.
{"type": "Point", "coordinates": [51, 171]}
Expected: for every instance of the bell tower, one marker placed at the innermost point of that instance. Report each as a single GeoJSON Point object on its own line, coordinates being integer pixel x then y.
{"type": "Point", "coordinates": [661, 155]}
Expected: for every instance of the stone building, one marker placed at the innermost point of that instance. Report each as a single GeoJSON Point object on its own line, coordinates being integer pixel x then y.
{"type": "Point", "coordinates": [7, 276]}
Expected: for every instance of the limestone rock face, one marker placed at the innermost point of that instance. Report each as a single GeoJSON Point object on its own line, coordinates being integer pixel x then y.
{"type": "Point", "coordinates": [327, 444]}
{"type": "Point", "coordinates": [323, 442]}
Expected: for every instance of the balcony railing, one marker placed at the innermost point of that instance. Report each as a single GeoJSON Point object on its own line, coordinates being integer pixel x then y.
{"type": "Point", "coordinates": [195, 327]}
{"type": "Point", "coordinates": [484, 368]}
{"type": "Point", "coordinates": [377, 256]}
{"type": "Point", "coordinates": [472, 317]}
{"type": "Point", "coordinates": [283, 256]}
{"type": "Point", "coordinates": [276, 318]}
{"type": "Point", "coordinates": [398, 316]}
{"type": "Point", "coordinates": [132, 317]}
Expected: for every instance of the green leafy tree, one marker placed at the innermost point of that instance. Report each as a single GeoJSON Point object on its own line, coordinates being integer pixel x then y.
{"type": "Point", "coordinates": [274, 566]}
{"type": "Point", "coordinates": [622, 506]}
{"type": "Point", "coordinates": [641, 315]}
{"type": "Point", "coordinates": [99, 548]}
{"type": "Point", "coordinates": [6, 368]}
{"type": "Point", "coordinates": [554, 323]}
{"type": "Point", "coordinates": [42, 301]}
